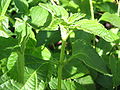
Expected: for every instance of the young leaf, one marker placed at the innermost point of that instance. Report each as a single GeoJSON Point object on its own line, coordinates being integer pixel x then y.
{"type": "Point", "coordinates": [75, 17]}
{"type": "Point", "coordinates": [11, 60]}
{"type": "Point", "coordinates": [55, 10]}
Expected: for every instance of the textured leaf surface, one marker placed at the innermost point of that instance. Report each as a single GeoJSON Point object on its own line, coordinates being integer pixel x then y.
{"type": "Point", "coordinates": [36, 74]}
{"type": "Point", "coordinates": [96, 28]}
{"type": "Point", "coordinates": [82, 51]}
{"type": "Point", "coordinates": [31, 82]}
{"type": "Point", "coordinates": [55, 10]}
{"type": "Point", "coordinates": [75, 17]}
{"type": "Point", "coordinates": [9, 84]}
{"type": "Point", "coordinates": [66, 85]}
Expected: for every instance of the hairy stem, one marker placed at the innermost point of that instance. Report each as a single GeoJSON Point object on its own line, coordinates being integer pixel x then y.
{"type": "Point", "coordinates": [91, 10]}
{"type": "Point", "coordinates": [20, 67]}
{"type": "Point", "coordinates": [60, 66]}
{"type": "Point", "coordinates": [20, 61]}
{"type": "Point", "coordinates": [118, 11]}
{"type": "Point", "coordinates": [5, 7]}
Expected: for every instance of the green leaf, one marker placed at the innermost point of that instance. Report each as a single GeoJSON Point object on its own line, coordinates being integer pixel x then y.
{"type": "Point", "coordinates": [4, 5]}
{"type": "Point", "coordinates": [66, 85]}
{"type": "Point", "coordinates": [104, 48]}
{"type": "Point", "coordinates": [84, 7]}
{"type": "Point", "coordinates": [22, 5]}
{"type": "Point", "coordinates": [43, 68]}
{"type": "Point", "coordinates": [40, 17]}
{"type": "Point", "coordinates": [55, 10]}
{"type": "Point", "coordinates": [81, 35]}
{"type": "Point", "coordinates": [7, 46]}
{"type": "Point", "coordinates": [93, 27]}
{"type": "Point", "coordinates": [105, 81]}
{"type": "Point", "coordinates": [23, 30]}
{"type": "Point", "coordinates": [75, 17]}
{"type": "Point", "coordinates": [36, 74]}
{"type": "Point", "coordinates": [82, 51]}
{"type": "Point", "coordinates": [8, 84]}
{"type": "Point", "coordinates": [31, 82]}
{"type": "Point", "coordinates": [115, 65]}
{"type": "Point", "coordinates": [111, 18]}
{"type": "Point", "coordinates": [107, 7]}
{"type": "Point", "coordinates": [4, 25]}
{"type": "Point", "coordinates": [74, 69]}
{"type": "Point", "coordinates": [3, 34]}
{"type": "Point", "coordinates": [11, 60]}
{"type": "Point", "coordinates": [46, 37]}
{"type": "Point", "coordinates": [87, 82]}
{"type": "Point", "coordinates": [42, 53]}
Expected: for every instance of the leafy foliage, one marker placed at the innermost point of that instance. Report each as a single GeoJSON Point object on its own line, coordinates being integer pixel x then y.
{"type": "Point", "coordinates": [54, 45]}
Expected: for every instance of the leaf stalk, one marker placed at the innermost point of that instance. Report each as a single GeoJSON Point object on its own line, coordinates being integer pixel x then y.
{"type": "Point", "coordinates": [60, 66]}
{"type": "Point", "coordinates": [91, 10]}
{"type": "Point", "coordinates": [118, 11]}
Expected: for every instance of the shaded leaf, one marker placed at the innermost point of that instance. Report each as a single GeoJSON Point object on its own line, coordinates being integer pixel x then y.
{"type": "Point", "coordinates": [82, 51]}
{"type": "Point", "coordinates": [87, 82]}
{"type": "Point", "coordinates": [22, 5]}
{"type": "Point", "coordinates": [115, 65]}
{"type": "Point", "coordinates": [74, 69]}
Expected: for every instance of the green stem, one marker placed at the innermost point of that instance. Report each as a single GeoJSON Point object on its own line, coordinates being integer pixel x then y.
{"type": "Point", "coordinates": [20, 67]}
{"type": "Point", "coordinates": [92, 16]}
{"type": "Point", "coordinates": [20, 61]}
{"type": "Point", "coordinates": [5, 7]}
{"type": "Point", "coordinates": [91, 10]}
{"type": "Point", "coordinates": [52, 1]}
{"type": "Point", "coordinates": [60, 66]}
{"type": "Point", "coordinates": [117, 1]}
{"type": "Point", "coordinates": [118, 11]}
